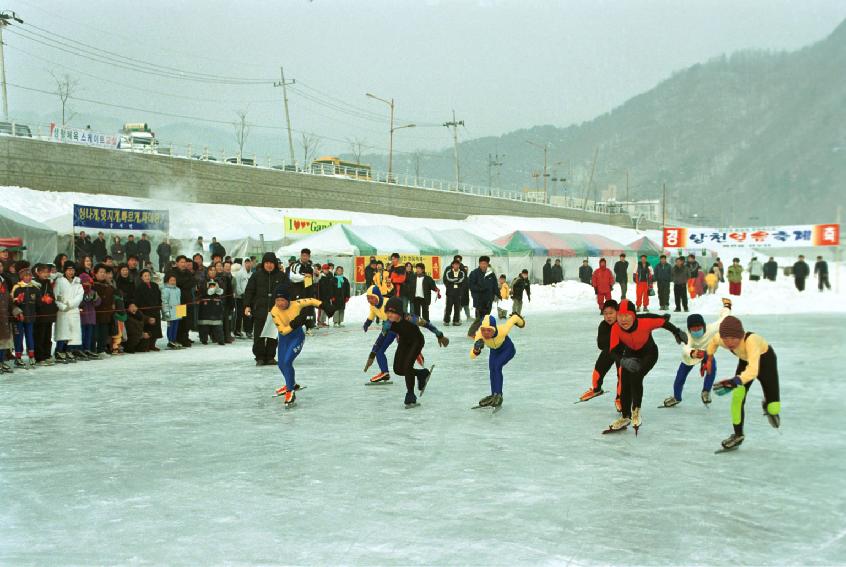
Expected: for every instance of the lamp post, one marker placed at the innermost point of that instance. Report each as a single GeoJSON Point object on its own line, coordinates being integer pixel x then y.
{"type": "Point", "coordinates": [545, 149]}
{"type": "Point", "coordinates": [391, 131]}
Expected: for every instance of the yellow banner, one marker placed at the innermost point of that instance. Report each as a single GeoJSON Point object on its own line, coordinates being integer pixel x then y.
{"type": "Point", "coordinates": [296, 225]}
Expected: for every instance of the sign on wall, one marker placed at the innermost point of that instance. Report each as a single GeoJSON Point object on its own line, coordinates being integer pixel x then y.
{"type": "Point", "coordinates": [119, 219]}
{"type": "Point", "coordinates": [774, 237]}
{"type": "Point", "coordinates": [296, 225]}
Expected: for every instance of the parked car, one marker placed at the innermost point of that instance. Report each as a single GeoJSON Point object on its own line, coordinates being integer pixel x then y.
{"type": "Point", "coordinates": [15, 129]}
{"type": "Point", "coordinates": [242, 161]}
{"type": "Point", "coordinates": [202, 157]}
{"type": "Point", "coordinates": [285, 167]}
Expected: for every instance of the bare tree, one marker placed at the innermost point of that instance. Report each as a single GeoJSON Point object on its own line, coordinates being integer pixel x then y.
{"type": "Point", "coordinates": [65, 87]}
{"type": "Point", "coordinates": [357, 148]}
{"type": "Point", "coordinates": [311, 146]}
{"type": "Point", "coordinates": [242, 131]}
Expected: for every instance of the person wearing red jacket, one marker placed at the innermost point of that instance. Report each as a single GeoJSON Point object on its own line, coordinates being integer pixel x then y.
{"type": "Point", "coordinates": [633, 348]}
{"type": "Point", "coordinates": [397, 276]}
{"type": "Point", "coordinates": [602, 281]}
{"type": "Point", "coordinates": [643, 281]}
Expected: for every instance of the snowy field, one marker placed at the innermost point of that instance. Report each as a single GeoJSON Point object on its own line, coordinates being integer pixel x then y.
{"type": "Point", "coordinates": [184, 458]}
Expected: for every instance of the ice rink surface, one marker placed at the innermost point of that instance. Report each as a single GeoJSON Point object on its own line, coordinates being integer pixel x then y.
{"type": "Point", "coordinates": [184, 458]}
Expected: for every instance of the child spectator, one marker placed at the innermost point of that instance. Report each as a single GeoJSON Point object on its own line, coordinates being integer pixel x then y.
{"type": "Point", "coordinates": [137, 338]}
{"type": "Point", "coordinates": [503, 297]}
{"type": "Point", "coordinates": [148, 299]}
{"type": "Point", "coordinates": [46, 316]}
{"type": "Point", "coordinates": [8, 310]}
{"type": "Point", "coordinates": [25, 295]}
{"type": "Point", "coordinates": [105, 310]}
{"type": "Point", "coordinates": [88, 317]}
{"type": "Point", "coordinates": [210, 311]}
{"type": "Point", "coordinates": [171, 297]}
{"type": "Point", "coordinates": [341, 296]}
{"type": "Point", "coordinates": [68, 291]}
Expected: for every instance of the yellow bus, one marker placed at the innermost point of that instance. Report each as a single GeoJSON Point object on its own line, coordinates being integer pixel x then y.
{"type": "Point", "coordinates": [331, 165]}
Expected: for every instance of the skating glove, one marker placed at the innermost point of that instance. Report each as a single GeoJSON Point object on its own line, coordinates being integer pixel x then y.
{"type": "Point", "coordinates": [681, 336]}
{"type": "Point", "coordinates": [443, 341]}
{"type": "Point", "coordinates": [366, 325]}
{"type": "Point", "coordinates": [370, 358]}
{"type": "Point", "coordinates": [697, 353]}
{"type": "Point", "coordinates": [723, 387]}
{"type": "Point", "coordinates": [19, 298]}
{"type": "Point", "coordinates": [478, 346]}
{"type": "Point", "coordinates": [707, 365]}
{"type": "Point", "coordinates": [20, 317]}
{"type": "Point", "coordinates": [46, 299]}
{"type": "Point", "coordinates": [630, 364]}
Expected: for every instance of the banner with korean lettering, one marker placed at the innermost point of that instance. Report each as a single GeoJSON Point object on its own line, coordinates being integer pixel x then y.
{"type": "Point", "coordinates": [294, 225]}
{"type": "Point", "coordinates": [83, 136]}
{"type": "Point", "coordinates": [773, 237]}
{"type": "Point", "coordinates": [432, 263]}
{"type": "Point", "coordinates": [119, 219]}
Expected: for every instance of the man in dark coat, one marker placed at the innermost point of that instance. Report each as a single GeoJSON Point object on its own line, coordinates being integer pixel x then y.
{"type": "Point", "coordinates": [422, 285]}
{"type": "Point", "coordinates": [105, 310]}
{"type": "Point", "coordinates": [98, 248]}
{"type": "Point", "coordinates": [369, 270]}
{"type": "Point", "coordinates": [131, 247]}
{"type": "Point", "coordinates": [770, 269]}
{"type": "Point", "coordinates": [145, 248]}
{"type": "Point", "coordinates": [663, 276]}
{"type": "Point", "coordinates": [483, 288]}
{"type": "Point", "coordinates": [801, 271]}
{"type": "Point", "coordinates": [821, 271]}
{"type": "Point", "coordinates": [81, 245]}
{"type": "Point", "coordinates": [557, 272]}
{"type": "Point", "coordinates": [680, 274]}
{"type": "Point", "coordinates": [163, 251]}
{"type": "Point", "coordinates": [585, 272]}
{"type": "Point", "coordinates": [621, 275]}
{"type": "Point", "coordinates": [454, 280]}
{"type": "Point", "coordinates": [258, 301]}
{"type": "Point", "coordinates": [217, 249]}
{"type": "Point", "coordinates": [547, 272]}
{"type": "Point", "coordinates": [185, 283]}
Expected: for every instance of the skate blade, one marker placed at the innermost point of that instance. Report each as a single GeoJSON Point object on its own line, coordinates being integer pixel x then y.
{"type": "Point", "coordinates": [589, 399]}
{"type": "Point", "coordinates": [428, 379]}
{"type": "Point", "coordinates": [666, 407]}
{"type": "Point", "coordinates": [283, 395]}
{"type": "Point", "coordinates": [609, 430]}
{"type": "Point", "coordinates": [726, 449]}
{"type": "Point", "coordinates": [409, 406]}
{"type": "Point", "coordinates": [379, 383]}
{"type": "Point", "coordinates": [496, 409]}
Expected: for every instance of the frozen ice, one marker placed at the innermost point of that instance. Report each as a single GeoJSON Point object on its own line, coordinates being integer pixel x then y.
{"type": "Point", "coordinates": [184, 458]}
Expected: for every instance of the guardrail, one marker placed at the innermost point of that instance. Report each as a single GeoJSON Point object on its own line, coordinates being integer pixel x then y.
{"type": "Point", "coordinates": [190, 151]}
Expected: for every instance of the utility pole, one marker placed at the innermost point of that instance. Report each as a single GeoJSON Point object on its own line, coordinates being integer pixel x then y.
{"type": "Point", "coordinates": [663, 205]}
{"type": "Point", "coordinates": [454, 124]}
{"type": "Point", "coordinates": [590, 180]}
{"type": "Point", "coordinates": [6, 18]}
{"type": "Point", "coordinates": [284, 84]}
{"type": "Point", "coordinates": [545, 149]}
{"type": "Point", "coordinates": [494, 162]}
{"type": "Point", "coordinates": [391, 131]}
{"type": "Point", "coordinates": [628, 199]}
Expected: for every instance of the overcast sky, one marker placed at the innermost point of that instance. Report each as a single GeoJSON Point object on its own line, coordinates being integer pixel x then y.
{"type": "Point", "coordinates": [502, 65]}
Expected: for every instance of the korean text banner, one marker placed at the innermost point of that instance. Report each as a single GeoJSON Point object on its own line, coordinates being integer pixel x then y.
{"type": "Point", "coordinates": [119, 219]}
{"type": "Point", "coordinates": [80, 136]}
{"type": "Point", "coordinates": [432, 263]}
{"type": "Point", "coordinates": [774, 237]}
{"type": "Point", "coordinates": [294, 225]}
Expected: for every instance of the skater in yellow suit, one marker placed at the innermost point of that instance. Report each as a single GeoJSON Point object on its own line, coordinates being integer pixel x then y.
{"type": "Point", "coordinates": [496, 338]}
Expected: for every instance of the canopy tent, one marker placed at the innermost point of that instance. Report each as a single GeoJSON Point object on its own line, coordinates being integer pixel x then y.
{"type": "Point", "coordinates": [646, 245]}
{"type": "Point", "coordinates": [529, 249]}
{"type": "Point", "coordinates": [339, 240]}
{"type": "Point", "coordinates": [38, 240]}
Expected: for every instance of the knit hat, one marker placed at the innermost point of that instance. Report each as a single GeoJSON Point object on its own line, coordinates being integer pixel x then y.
{"type": "Point", "coordinates": [394, 305]}
{"type": "Point", "coordinates": [325, 266]}
{"type": "Point", "coordinates": [268, 257]}
{"type": "Point", "coordinates": [627, 306]}
{"type": "Point", "coordinates": [68, 265]}
{"type": "Point", "coordinates": [695, 320]}
{"type": "Point", "coordinates": [732, 327]}
{"type": "Point", "coordinates": [85, 279]}
{"type": "Point", "coordinates": [282, 291]}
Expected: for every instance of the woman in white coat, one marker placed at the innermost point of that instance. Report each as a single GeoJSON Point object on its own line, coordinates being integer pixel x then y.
{"type": "Point", "coordinates": [68, 291]}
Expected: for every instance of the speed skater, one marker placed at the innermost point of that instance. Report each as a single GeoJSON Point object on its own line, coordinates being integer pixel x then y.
{"type": "Point", "coordinates": [496, 338]}
{"type": "Point", "coordinates": [604, 361]}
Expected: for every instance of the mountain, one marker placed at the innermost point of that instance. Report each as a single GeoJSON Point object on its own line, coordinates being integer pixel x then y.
{"type": "Point", "coordinates": [750, 138]}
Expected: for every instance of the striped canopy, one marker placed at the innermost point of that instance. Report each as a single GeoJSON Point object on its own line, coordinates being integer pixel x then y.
{"type": "Point", "coordinates": [542, 243]}
{"type": "Point", "coordinates": [646, 245]}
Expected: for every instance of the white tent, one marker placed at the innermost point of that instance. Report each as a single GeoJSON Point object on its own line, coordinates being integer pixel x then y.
{"type": "Point", "coordinates": [38, 239]}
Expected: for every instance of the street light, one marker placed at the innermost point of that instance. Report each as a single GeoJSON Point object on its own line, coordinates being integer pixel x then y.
{"type": "Point", "coordinates": [391, 130]}
{"type": "Point", "coordinates": [545, 149]}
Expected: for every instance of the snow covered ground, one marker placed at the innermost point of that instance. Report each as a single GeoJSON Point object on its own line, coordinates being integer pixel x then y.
{"type": "Point", "coordinates": [184, 458]}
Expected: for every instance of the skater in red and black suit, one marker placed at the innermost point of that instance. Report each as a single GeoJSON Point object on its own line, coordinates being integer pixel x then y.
{"type": "Point", "coordinates": [604, 361]}
{"type": "Point", "coordinates": [633, 348]}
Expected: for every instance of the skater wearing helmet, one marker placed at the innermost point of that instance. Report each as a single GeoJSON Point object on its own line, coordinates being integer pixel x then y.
{"type": "Point", "coordinates": [496, 338]}
{"type": "Point", "coordinates": [757, 361]}
{"type": "Point", "coordinates": [693, 352]}
{"type": "Point", "coordinates": [634, 349]}
{"type": "Point", "coordinates": [604, 361]}
{"type": "Point", "coordinates": [410, 343]}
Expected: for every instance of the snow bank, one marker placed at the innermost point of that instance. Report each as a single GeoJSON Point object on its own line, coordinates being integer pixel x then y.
{"type": "Point", "coordinates": [230, 222]}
